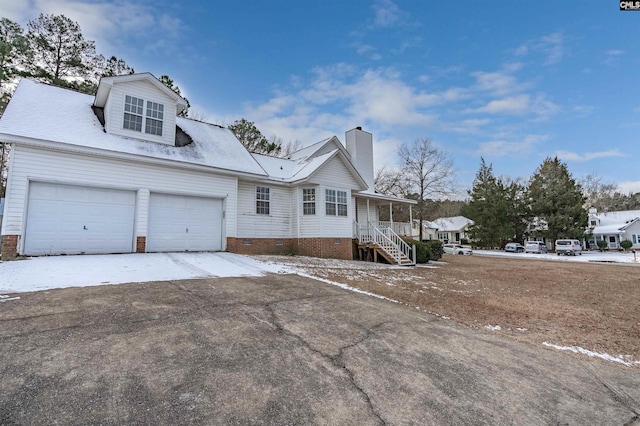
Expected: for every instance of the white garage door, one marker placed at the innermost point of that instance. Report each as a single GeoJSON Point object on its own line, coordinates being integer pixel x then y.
{"type": "Point", "coordinates": [181, 223]}
{"type": "Point", "coordinates": [68, 219]}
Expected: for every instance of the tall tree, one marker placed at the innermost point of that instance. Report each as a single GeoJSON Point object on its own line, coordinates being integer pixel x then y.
{"type": "Point", "coordinates": [116, 66]}
{"type": "Point", "coordinates": [249, 135]}
{"type": "Point", "coordinates": [518, 209]}
{"type": "Point", "coordinates": [167, 81]}
{"type": "Point", "coordinates": [429, 173]}
{"type": "Point", "coordinates": [61, 55]}
{"type": "Point", "coordinates": [14, 51]}
{"type": "Point", "coordinates": [489, 209]}
{"type": "Point", "coordinates": [556, 198]}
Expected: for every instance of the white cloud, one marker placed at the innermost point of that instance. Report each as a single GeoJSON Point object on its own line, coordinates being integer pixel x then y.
{"type": "Point", "coordinates": [629, 186]}
{"type": "Point", "coordinates": [587, 156]}
{"type": "Point", "coordinates": [387, 14]}
{"type": "Point", "coordinates": [504, 147]}
{"type": "Point", "coordinates": [126, 19]}
{"type": "Point", "coordinates": [512, 105]}
{"type": "Point", "coordinates": [612, 56]}
{"type": "Point", "coordinates": [552, 46]}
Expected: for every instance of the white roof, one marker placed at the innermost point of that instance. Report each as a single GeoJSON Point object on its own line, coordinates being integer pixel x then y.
{"type": "Point", "coordinates": [48, 113]}
{"type": "Point", "coordinates": [618, 218]}
{"type": "Point", "coordinates": [455, 223]}
{"type": "Point", "coordinates": [286, 170]}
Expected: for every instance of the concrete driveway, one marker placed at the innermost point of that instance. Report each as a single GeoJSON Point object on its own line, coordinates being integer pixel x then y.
{"type": "Point", "coordinates": [281, 349]}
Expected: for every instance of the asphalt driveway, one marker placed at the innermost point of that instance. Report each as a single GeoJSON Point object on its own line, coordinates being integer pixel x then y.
{"type": "Point", "coordinates": [281, 349]}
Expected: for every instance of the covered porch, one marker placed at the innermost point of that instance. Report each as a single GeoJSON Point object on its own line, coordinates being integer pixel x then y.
{"type": "Point", "coordinates": [373, 237]}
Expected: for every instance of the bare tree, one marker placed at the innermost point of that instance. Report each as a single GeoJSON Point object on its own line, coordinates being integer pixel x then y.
{"type": "Point", "coordinates": [599, 194]}
{"type": "Point", "coordinates": [286, 148]}
{"type": "Point", "coordinates": [428, 172]}
{"type": "Point", "coordinates": [390, 182]}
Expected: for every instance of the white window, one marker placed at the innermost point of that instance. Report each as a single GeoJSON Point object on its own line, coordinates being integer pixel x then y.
{"type": "Point", "coordinates": [336, 202]}
{"type": "Point", "coordinates": [308, 201]}
{"type": "Point", "coordinates": [155, 114]}
{"type": "Point", "coordinates": [444, 236]}
{"type": "Point", "coordinates": [262, 200]}
{"type": "Point", "coordinates": [133, 115]}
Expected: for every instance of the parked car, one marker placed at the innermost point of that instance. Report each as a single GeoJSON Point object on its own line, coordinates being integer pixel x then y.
{"type": "Point", "coordinates": [568, 247]}
{"type": "Point", "coordinates": [514, 247]}
{"type": "Point", "coordinates": [456, 249]}
{"type": "Point", "coordinates": [535, 247]}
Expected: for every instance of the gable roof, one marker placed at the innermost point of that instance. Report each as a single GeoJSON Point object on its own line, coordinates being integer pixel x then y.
{"type": "Point", "coordinates": [106, 84]}
{"type": "Point", "coordinates": [40, 114]}
{"type": "Point", "coordinates": [289, 170]}
{"type": "Point", "coordinates": [319, 148]}
{"type": "Point", "coordinates": [455, 223]}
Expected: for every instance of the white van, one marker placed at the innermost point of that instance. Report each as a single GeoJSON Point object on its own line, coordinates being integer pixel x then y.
{"type": "Point", "coordinates": [568, 247]}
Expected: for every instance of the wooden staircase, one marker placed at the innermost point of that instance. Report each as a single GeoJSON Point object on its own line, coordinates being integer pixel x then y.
{"type": "Point", "coordinates": [385, 243]}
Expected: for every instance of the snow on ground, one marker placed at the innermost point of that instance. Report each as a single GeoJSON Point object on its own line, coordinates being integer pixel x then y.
{"type": "Point", "coordinates": [43, 273]}
{"type": "Point", "coordinates": [587, 256]}
{"type": "Point", "coordinates": [621, 359]}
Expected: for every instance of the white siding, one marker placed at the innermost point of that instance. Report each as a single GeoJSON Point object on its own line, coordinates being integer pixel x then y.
{"type": "Point", "coordinates": [277, 224]}
{"type": "Point", "coordinates": [361, 206]}
{"type": "Point", "coordinates": [51, 166]}
{"type": "Point", "coordinates": [335, 174]}
{"type": "Point", "coordinates": [114, 111]}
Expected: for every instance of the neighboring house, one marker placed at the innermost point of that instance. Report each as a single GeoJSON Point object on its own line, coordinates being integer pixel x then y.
{"type": "Point", "coordinates": [429, 230]}
{"type": "Point", "coordinates": [121, 172]}
{"type": "Point", "coordinates": [614, 227]}
{"type": "Point", "coordinates": [446, 229]}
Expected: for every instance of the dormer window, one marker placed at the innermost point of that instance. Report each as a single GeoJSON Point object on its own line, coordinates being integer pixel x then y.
{"type": "Point", "coordinates": [133, 115]}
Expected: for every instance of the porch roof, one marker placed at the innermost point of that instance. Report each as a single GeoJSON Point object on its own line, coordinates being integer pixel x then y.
{"type": "Point", "coordinates": [381, 197]}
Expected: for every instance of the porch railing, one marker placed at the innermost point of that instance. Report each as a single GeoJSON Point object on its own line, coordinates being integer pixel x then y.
{"type": "Point", "coordinates": [387, 239]}
{"type": "Point", "coordinates": [400, 228]}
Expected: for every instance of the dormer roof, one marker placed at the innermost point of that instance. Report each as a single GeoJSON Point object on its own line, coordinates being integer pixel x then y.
{"type": "Point", "coordinates": [106, 84]}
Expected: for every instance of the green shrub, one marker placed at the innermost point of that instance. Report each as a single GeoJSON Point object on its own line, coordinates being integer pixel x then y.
{"type": "Point", "coordinates": [602, 244]}
{"type": "Point", "coordinates": [423, 251]}
{"type": "Point", "coordinates": [436, 249]}
{"type": "Point", "coordinates": [464, 241]}
{"type": "Point", "coordinates": [626, 244]}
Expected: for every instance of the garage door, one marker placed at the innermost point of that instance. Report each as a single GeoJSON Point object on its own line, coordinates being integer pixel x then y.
{"type": "Point", "coordinates": [68, 219]}
{"type": "Point", "coordinates": [181, 223]}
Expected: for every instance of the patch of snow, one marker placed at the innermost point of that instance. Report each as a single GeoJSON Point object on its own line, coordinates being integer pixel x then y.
{"type": "Point", "coordinates": [493, 327]}
{"type": "Point", "coordinates": [587, 256]}
{"type": "Point", "coordinates": [44, 273]}
{"type": "Point", "coordinates": [6, 298]}
{"type": "Point", "coordinates": [521, 330]}
{"type": "Point", "coordinates": [576, 349]}
{"type": "Point", "coordinates": [344, 286]}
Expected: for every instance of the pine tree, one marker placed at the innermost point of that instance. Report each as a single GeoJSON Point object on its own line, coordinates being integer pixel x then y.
{"type": "Point", "coordinates": [61, 55]}
{"type": "Point", "coordinates": [488, 209]}
{"type": "Point", "coordinates": [557, 199]}
{"type": "Point", "coordinates": [247, 133]}
{"type": "Point", "coordinates": [14, 52]}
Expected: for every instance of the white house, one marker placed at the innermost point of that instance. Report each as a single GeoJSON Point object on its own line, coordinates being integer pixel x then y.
{"type": "Point", "coordinates": [453, 229]}
{"type": "Point", "coordinates": [121, 172]}
{"type": "Point", "coordinates": [446, 229]}
{"type": "Point", "coordinates": [614, 227]}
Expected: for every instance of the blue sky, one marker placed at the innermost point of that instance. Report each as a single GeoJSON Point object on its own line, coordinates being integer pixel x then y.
{"type": "Point", "coordinates": [513, 82]}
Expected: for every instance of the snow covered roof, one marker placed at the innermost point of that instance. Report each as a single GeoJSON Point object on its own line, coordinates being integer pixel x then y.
{"type": "Point", "coordinates": [455, 223]}
{"type": "Point", "coordinates": [369, 193]}
{"type": "Point", "coordinates": [620, 217]}
{"type": "Point", "coordinates": [106, 83]}
{"type": "Point", "coordinates": [309, 150]}
{"type": "Point", "coordinates": [41, 113]}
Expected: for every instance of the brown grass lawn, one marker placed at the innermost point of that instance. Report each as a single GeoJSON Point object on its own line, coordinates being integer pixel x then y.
{"type": "Point", "coordinates": [593, 306]}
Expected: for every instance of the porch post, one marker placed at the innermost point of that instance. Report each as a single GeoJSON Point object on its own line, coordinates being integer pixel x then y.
{"type": "Point", "coordinates": [368, 216]}
{"type": "Point", "coordinates": [391, 213]}
{"type": "Point", "coordinates": [411, 221]}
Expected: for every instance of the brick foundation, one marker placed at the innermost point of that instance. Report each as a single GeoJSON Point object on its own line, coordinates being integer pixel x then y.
{"type": "Point", "coordinates": [9, 248]}
{"type": "Point", "coordinates": [141, 244]}
{"type": "Point", "coordinates": [330, 248]}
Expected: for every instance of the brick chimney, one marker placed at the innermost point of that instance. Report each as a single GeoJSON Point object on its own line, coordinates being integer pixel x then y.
{"type": "Point", "coordinates": [360, 147]}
